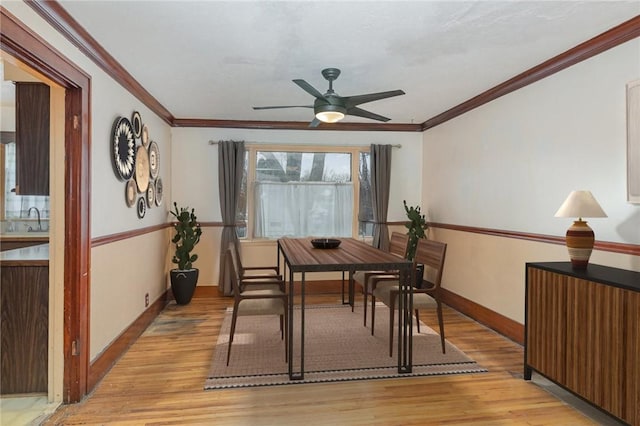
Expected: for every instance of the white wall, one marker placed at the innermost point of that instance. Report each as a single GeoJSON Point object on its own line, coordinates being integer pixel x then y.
{"type": "Point", "coordinates": [109, 212]}
{"type": "Point", "coordinates": [8, 118]}
{"type": "Point", "coordinates": [195, 178]}
{"type": "Point", "coordinates": [511, 163]}
{"type": "Point", "coordinates": [195, 162]}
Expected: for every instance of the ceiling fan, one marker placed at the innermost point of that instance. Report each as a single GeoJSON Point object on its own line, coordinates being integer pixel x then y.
{"type": "Point", "coordinates": [330, 107]}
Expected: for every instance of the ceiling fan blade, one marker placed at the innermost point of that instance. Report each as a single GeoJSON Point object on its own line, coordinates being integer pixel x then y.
{"type": "Point", "coordinates": [314, 123]}
{"type": "Point", "coordinates": [370, 97]}
{"type": "Point", "coordinates": [283, 106]}
{"type": "Point", "coordinates": [366, 114]}
{"type": "Point", "coordinates": [309, 88]}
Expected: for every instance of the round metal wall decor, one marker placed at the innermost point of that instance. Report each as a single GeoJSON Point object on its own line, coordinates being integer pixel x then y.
{"type": "Point", "coordinates": [154, 160]}
{"type": "Point", "coordinates": [130, 193]}
{"type": "Point", "coordinates": [142, 169]}
{"type": "Point", "coordinates": [136, 123]}
{"type": "Point", "coordinates": [123, 145]}
{"type": "Point", "coordinates": [145, 136]}
{"type": "Point", "coordinates": [151, 194]}
{"type": "Point", "coordinates": [142, 207]}
{"type": "Point", "coordinates": [137, 164]}
{"type": "Point", "coordinates": [158, 191]}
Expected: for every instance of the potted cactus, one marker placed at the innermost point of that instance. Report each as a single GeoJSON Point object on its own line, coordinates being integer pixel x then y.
{"type": "Point", "coordinates": [416, 228]}
{"type": "Point", "coordinates": [185, 277]}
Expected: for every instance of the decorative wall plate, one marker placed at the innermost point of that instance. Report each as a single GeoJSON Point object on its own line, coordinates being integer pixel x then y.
{"type": "Point", "coordinates": [142, 169]}
{"type": "Point", "coordinates": [142, 207]}
{"type": "Point", "coordinates": [151, 194]}
{"type": "Point", "coordinates": [145, 136]}
{"type": "Point", "coordinates": [158, 191]}
{"type": "Point", "coordinates": [123, 145]}
{"type": "Point", "coordinates": [136, 124]}
{"type": "Point", "coordinates": [154, 160]}
{"type": "Point", "coordinates": [130, 192]}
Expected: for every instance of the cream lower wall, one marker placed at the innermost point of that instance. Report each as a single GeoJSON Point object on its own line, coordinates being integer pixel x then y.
{"type": "Point", "coordinates": [490, 270]}
{"type": "Point", "coordinates": [208, 251]}
{"type": "Point", "coordinates": [122, 273]}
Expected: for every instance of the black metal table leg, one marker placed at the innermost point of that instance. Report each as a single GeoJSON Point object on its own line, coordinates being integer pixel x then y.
{"type": "Point", "coordinates": [297, 375]}
{"type": "Point", "coordinates": [405, 325]}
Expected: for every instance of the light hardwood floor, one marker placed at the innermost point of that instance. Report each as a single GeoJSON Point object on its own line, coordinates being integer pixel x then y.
{"type": "Point", "coordinates": [160, 380]}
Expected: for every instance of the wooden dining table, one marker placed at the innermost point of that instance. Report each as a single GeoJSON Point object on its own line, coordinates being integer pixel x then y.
{"type": "Point", "coordinates": [299, 257]}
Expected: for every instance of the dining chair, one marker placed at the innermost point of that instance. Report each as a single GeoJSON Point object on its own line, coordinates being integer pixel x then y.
{"type": "Point", "coordinates": [369, 280]}
{"type": "Point", "coordinates": [431, 254]}
{"type": "Point", "coordinates": [265, 296]}
{"type": "Point", "coordinates": [254, 276]}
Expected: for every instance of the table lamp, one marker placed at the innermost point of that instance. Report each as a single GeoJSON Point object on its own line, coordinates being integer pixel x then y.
{"type": "Point", "coordinates": [580, 237]}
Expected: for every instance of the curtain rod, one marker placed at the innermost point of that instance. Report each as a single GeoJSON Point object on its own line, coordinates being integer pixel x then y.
{"type": "Point", "coordinates": [212, 142]}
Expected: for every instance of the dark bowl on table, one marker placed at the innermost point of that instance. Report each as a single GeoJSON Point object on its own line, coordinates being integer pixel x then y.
{"type": "Point", "coordinates": [325, 243]}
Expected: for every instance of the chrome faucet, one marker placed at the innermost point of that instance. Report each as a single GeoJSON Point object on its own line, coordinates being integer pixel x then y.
{"type": "Point", "coordinates": [38, 213]}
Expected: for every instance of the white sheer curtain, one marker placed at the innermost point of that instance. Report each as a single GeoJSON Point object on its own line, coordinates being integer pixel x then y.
{"type": "Point", "coordinates": [300, 209]}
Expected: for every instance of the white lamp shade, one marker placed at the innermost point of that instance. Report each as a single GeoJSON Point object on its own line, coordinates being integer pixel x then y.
{"type": "Point", "coordinates": [580, 204]}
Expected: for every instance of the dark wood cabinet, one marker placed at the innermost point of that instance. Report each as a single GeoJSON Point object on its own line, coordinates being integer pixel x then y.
{"type": "Point", "coordinates": [582, 331]}
{"type": "Point", "coordinates": [24, 337]}
{"type": "Point", "coordinates": [32, 138]}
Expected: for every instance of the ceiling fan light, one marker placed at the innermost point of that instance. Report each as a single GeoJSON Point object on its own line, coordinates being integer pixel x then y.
{"type": "Point", "coordinates": [329, 116]}
{"type": "Point", "coordinates": [330, 113]}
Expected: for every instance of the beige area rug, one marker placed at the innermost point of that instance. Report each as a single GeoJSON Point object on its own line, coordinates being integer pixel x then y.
{"type": "Point", "coordinates": [337, 348]}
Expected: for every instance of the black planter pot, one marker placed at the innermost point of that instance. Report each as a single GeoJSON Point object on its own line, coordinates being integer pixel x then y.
{"type": "Point", "coordinates": [183, 284]}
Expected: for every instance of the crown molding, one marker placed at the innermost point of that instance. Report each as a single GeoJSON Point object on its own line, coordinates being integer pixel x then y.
{"type": "Point", "coordinates": [614, 37]}
{"type": "Point", "coordinates": [296, 125]}
{"type": "Point", "coordinates": [53, 12]}
{"type": "Point", "coordinates": [59, 18]}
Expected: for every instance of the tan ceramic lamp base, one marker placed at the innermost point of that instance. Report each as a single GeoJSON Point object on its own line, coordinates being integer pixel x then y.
{"type": "Point", "coordinates": [580, 240]}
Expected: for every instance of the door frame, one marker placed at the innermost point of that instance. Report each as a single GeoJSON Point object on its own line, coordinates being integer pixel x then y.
{"type": "Point", "coordinates": [25, 45]}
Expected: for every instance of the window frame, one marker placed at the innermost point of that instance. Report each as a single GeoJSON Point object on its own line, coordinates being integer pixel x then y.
{"type": "Point", "coordinates": [252, 150]}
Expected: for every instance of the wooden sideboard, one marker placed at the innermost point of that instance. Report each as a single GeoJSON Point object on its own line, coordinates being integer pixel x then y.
{"type": "Point", "coordinates": [582, 331]}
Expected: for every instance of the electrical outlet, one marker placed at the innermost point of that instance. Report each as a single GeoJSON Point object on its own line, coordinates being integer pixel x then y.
{"type": "Point", "coordinates": [146, 300]}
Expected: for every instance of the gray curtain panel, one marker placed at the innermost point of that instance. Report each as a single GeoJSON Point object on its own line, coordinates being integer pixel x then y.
{"type": "Point", "coordinates": [380, 157]}
{"type": "Point", "coordinates": [230, 169]}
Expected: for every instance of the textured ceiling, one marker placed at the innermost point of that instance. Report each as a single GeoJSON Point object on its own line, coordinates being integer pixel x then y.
{"type": "Point", "coordinates": [217, 59]}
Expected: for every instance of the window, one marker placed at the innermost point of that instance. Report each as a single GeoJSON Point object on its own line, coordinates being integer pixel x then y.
{"type": "Point", "coordinates": [241, 213]}
{"type": "Point", "coordinates": [302, 192]}
{"type": "Point", "coordinates": [17, 206]}
{"type": "Point", "coordinates": [365, 210]}
{"type": "Point", "coordinates": [14, 206]}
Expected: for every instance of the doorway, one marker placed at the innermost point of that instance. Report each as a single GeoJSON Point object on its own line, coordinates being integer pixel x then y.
{"type": "Point", "coordinates": [69, 323]}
